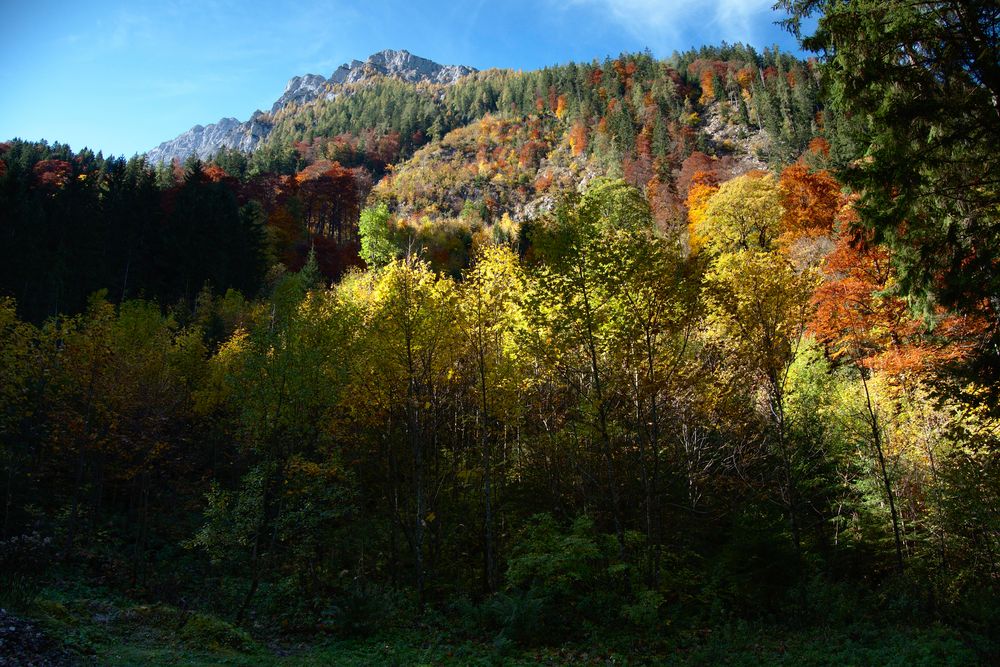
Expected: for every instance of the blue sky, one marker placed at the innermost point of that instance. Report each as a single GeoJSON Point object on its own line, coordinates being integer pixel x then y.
{"type": "Point", "coordinates": [123, 76]}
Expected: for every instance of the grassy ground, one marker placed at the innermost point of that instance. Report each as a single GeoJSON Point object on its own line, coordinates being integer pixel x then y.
{"type": "Point", "coordinates": [105, 630]}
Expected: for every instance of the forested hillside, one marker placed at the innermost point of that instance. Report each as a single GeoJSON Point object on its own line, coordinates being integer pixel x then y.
{"type": "Point", "coordinates": [624, 359]}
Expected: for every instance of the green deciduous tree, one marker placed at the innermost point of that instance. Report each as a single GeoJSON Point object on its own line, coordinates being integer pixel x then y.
{"type": "Point", "coordinates": [489, 301]}
{"type": "Point", "coordinates": [20, 372]}
{"type": "Point", "coordinates": [411, 316]}
{"type": "Point", "coordinates": [377, 247]}
{"type": "Point", "coordinates": [279, 383]}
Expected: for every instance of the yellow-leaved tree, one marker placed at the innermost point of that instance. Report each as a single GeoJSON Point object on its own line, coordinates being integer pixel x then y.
{"type": "Point", "coordinates": [489, 302]}
{"type": "Point", "coordinates": [757, 307]}
{"type": "Point", "coordinates": [745, 213]}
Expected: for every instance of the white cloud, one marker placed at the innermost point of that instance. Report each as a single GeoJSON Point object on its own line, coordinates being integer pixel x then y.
{"type": "Point", "coordinates": [683, 22]}
{"type": "Point", "coordinates": [125, 30]}
{"type": "Point", "coordinates": [739, 18]}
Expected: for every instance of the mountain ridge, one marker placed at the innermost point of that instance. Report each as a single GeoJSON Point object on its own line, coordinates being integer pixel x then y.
{"type": "Point", "coordinates": [205, 141]}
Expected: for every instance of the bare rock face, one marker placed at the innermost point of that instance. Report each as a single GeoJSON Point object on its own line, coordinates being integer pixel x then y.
{"type": "Point", "coordinates": [301, 89]}
{"type": "Point", "coordinates": [745, 145]}
{"type": "Point", "coordinates": [401, 65]}
{"type": "Point", "coordinates": [206, 141]}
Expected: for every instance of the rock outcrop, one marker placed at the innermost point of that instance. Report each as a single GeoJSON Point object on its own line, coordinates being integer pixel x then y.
{"type": "Point", "coordinates": [205, 141]}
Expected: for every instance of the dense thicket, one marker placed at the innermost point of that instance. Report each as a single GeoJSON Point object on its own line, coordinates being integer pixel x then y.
{"type": "Point", "coordinates": [609, 427]}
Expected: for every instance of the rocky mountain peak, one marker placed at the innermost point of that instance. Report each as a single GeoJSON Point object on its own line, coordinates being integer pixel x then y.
{"type": "Point", "coordinates": [399, 64]}
{"type": "Point", "coordinates": [205, 141]}
{"type": "Point", "coordinates": [300, 89]}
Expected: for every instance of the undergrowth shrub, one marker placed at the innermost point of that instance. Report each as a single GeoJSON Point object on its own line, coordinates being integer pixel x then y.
{"type": "Point", "coordinates": [361, 609]}
{"type": "Point", "coordinates": [204, 631]}
{"type": "Point", "coordinates": [23, 559]}
{"type": "Point", "coordinates": [564, 581]}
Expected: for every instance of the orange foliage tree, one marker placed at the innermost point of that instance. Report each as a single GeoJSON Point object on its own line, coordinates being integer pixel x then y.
{"type": "Point", "coordinates": [578, 138]}
{"type": "Point", "coordinates": [561, 107]}
{"type": "Point", "coordinates": [330, 200]}
{"type": "Point", "coordinates": [707, 87]}
{"type": "Point", "coordinates": [811, 200]}
{"type": "Point", "coordinates": [860, 320]}
{"type": "Point", "coordinates": [53, 174]}
{"type": "Point", "coordinates": [703, 185]}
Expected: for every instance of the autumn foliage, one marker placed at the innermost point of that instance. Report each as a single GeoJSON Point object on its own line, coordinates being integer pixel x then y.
{"type": "Point", "coordinates": [860, 319]}
{"type": "Point", "coordinates": [811, 201]}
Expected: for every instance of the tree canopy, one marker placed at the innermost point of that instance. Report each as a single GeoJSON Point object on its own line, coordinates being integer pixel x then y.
{"type": "Point", "coordinates": [920, 83]}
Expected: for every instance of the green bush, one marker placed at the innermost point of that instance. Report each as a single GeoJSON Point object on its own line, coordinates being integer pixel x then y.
{"type": "Point", "coordinates": [204, 631]}
{"type": "Point", "coordinates": [562, 581]}
{"type": "Point", "coordinates": [519, 617]}
{"type": "Point", "coordinates": [361, 610]}
{"type": "Point", "coordinates": [644, 613]}
{"type": "Point", "coordinates": [554, 563]}
{"type": "Point", "coordinates": [755, 572]}
{"type": "Point", "coordinates": [23, 559]}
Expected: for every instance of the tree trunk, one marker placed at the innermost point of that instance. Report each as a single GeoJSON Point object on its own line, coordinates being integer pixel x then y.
{"type": "Point", "coordinates": [877, 441]}
{"type": "Point", "coordinates": [602, 415]}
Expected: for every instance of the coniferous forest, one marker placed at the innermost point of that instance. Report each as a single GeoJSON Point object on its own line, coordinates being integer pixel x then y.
{"type": "Point", "coordinates": [634, 361]}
